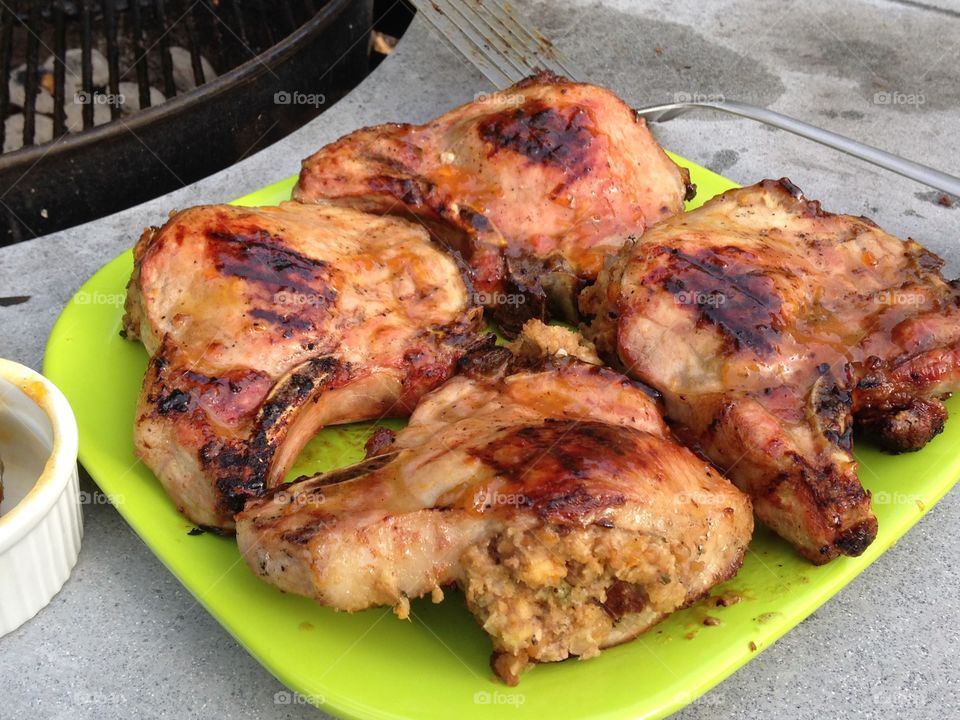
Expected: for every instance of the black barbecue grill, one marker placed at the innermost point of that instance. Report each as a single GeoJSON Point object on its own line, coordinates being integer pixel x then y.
{"type": "Point", "coordinates": [111, 102]}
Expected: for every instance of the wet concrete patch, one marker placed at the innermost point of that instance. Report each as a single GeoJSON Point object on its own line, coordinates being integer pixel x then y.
{"type": "Point", "coordinates": [869, 49]}
{"type": "Point", "coordinates": [845, 114]}
{"type": "Point", "coordinates": [937, 198]}
{"type": "Point", "coordinates": [723, 159]}
{"type": "Point", "coordinates": [671, 62]}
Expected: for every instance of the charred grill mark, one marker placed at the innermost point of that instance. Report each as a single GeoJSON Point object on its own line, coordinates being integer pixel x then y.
{"type": "Point", "coordinates": [218, 454]}
{"type": "Point", "coordinates": [727, 290]}
{"type": "Point", "coordinates": [249, 480]}
{"type": "Point", "coordinates": [287, 322]}
{"type": "Point", "coordinates": [564, 470]}
{"type": "Point", "coordinates": [543, 134]}
{"type": "Point", "coordinates": [410, 191]}
{"type": "Point", "coordinates": [307, 490]}
{"type": "Point", "coordinates": [853, 541]}
{"type": "Point", "coordinates": [259, 257]}
{"type": "Point", "coordinates": [477, 221]}
{"type": "Point", "coordinates": [296, 389]}
{"type": "Point", "coordinates": [841, 439]}
{"type": "Point", "coordinates": [832, 407]}
{"type": "Point", "coordinates": [396, 163]}
{"type": "Point", "coordinates": [890, 402]}
{"type": "Point", "coordinates": [228, 462]}
{"type": "Point", "coordinates": [425, 366]}
{"type": "Point", "coordinates": [364, 467]}
{"type": "Point", "coordinates": [485, 361]}
{"type": "Point", "coordinates": [832, 488]}
{"type": "Point", "coordinates": [905, 428]}
{"type": "Point", "coordinates": [302, 534]}
{"type": "Point", "coordinates": [228, 399]}
{"type": "Point", "coordinates": [176, 401]}
{"type": "Point", "coordinates": [159, 363]}
{"type": "Point", "coordinates": [574, 504]}
{"type": "Point", "coordinates": [197, 378]}
{"type": "Point", "coordinates": [236, 489]}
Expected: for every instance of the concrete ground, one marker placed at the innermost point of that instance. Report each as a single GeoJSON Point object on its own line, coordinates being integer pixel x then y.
{"type": "Point", "coordinates": [124, 639]}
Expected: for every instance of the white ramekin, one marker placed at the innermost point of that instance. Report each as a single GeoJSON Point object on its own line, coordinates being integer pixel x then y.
{"type": "Point", "coordinates": [41, 523]}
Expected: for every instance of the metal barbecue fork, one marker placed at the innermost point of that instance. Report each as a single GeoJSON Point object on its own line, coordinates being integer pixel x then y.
{"type": "Point", "coordinates": [491, 36]}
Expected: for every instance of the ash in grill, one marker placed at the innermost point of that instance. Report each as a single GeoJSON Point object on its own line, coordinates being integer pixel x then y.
{"type": "Point", "coordinates": [86, 63]}
{"type": "Point", "coordinates": [108, 103]}
{"type": "Point", "coordinates": [74, 105]}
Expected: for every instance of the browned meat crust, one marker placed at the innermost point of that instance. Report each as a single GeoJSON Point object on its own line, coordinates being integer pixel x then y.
{"type": "Point", "coordinates": [265, 324]}
{"type": "Point", "coordinates": [769, 325]}
{"type": "Point", "coordinates": [550, 489]}
{"type": "Point", "coordinates": [533, 185]}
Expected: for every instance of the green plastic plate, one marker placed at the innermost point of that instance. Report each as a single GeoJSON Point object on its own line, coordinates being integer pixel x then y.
{"type": "Point", "coordinates": [372, 665]}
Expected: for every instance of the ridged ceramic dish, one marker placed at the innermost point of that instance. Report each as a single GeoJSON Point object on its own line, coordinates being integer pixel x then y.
{"type": "Point", "coordinates": [40, 519]}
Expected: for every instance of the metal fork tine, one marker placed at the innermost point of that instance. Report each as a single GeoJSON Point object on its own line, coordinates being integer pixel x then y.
{"type": "Point", "coordinates": [466, 41]}
{"type": "Point", "coordinates": [521, 56]}
{"type": "Point", "coordinates": [520, 47]}
{"type": "Point", "coordinates": [468, 52]}
{"type": "Point", "coordinates": [503, 48]}
{"type": "Point", "coordinates": [543, 50]}
{"type": "Point", "coordinates": [523, 49]}
{"type": "Point", "coordinates": [488, 33]}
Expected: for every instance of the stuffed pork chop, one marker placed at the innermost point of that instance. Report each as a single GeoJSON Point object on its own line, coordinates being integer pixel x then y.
{"type": "Point", "coordinates": [265, 324]}
{"type": "Point", "coordinates": [549, 489]}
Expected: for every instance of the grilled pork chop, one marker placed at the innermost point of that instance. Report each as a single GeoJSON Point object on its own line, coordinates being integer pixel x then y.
{"type": "Point", "coordinates": [770, 326]}
{"type": "Point", "coordinates": [534, 185]}
{"type": "Point", "coordinates": [549, 489]}
{"type": "Point", "coordinates": [264, 324]}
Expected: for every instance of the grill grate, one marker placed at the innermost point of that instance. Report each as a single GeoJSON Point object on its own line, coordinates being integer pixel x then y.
{"type": "Point", "coordinates": [68, 62]}
{"type": "Point", "coordinates": [231, 78]}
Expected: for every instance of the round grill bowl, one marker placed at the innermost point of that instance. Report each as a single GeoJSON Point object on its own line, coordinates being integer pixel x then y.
{"type": "Point", "coordinates": [85, 175]}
